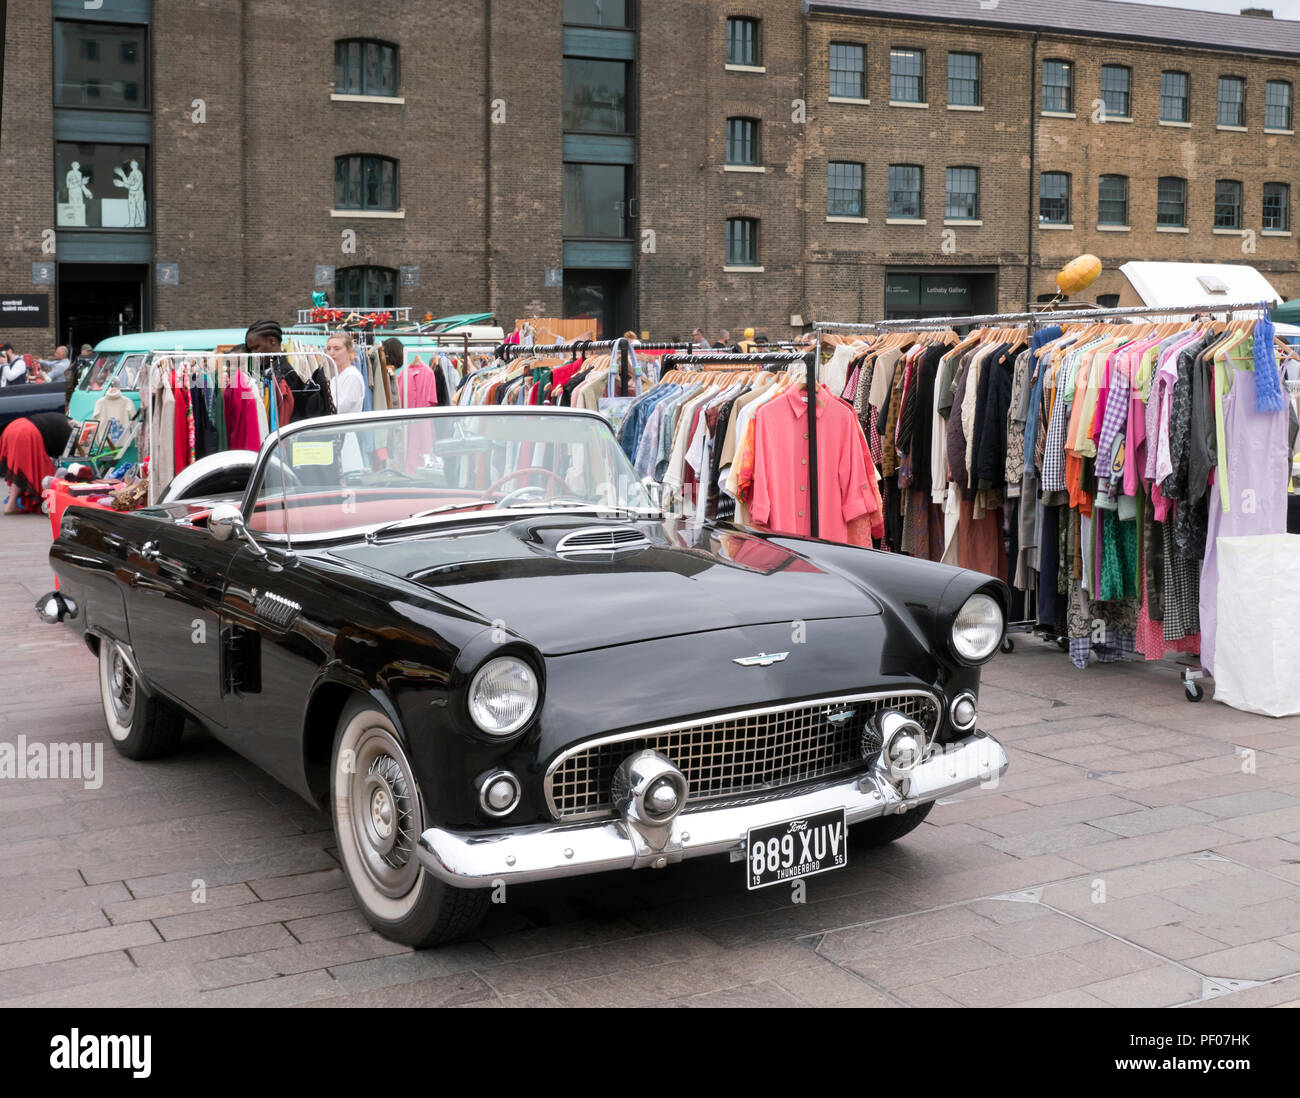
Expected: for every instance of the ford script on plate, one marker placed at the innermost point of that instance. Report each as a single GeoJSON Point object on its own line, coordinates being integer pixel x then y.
{"type": "Point", "coordinates": [797, 848]}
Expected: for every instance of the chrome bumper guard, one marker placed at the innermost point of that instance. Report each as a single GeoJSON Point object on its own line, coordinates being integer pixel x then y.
{"type": "Point", "coordinates": [482, 859]}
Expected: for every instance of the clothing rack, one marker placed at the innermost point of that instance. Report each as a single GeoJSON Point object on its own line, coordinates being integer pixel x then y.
{"type": "Point", "coordinates": [1190, 676]}
{"type": "Point", "coordinates": [770, 358]}
{"type": "Point", "coordinates": [620, 348]}
{"type": "Point", "coordinates": [255, 366]}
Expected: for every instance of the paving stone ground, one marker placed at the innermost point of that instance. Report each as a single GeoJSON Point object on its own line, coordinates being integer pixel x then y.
{"type": "Point", "coordinates": [1141, 851]}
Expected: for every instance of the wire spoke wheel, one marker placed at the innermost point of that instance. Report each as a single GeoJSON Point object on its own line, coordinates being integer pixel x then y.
{"type": "Point", "coordinates": [383, 817]}
{"type": "Point", "coordinates": [121, 687]}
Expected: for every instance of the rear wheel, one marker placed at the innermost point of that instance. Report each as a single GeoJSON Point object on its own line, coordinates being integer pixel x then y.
{"type": "Point", "coordinates": [142, 726]}
{"type": "Point", "coordinates": [378, 816]}
{"type": "Point", "coordinates": [885, 829]}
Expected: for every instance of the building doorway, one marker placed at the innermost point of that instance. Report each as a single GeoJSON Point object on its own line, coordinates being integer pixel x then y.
{"type": "Point", "coordinates": [98, 300]}
{"type": "Point", "coordinates": [605, 295]}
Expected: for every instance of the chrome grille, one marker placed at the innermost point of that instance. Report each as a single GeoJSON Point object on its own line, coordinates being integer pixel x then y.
{"type": "Point", "coordinates": [602, 538]}
{"type": "Point", "coordinates": [738, 753]}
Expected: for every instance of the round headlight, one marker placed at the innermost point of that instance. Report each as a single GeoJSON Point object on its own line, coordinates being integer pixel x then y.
{"type": "Point", "coordinates": [977, 630]}
{"type": "Point", "coordinates": [503, 695]}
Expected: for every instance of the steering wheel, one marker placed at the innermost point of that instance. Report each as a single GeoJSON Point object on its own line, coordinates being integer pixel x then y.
{"type": "Point", "coordinates": [527, 490]}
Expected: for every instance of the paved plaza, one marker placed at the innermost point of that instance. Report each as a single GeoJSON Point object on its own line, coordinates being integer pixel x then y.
{"type": "Point", "coordinates": [1140, 851]}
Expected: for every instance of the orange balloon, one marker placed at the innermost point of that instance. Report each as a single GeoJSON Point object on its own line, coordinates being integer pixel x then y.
{"type": "Point", "coordinates": [1078, 274]}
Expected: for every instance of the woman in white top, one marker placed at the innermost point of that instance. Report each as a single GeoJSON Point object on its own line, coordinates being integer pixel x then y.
{"type": "Point", "coordinates": [348, 387]}
{"type": "Point", "coordinates": [349, 390]}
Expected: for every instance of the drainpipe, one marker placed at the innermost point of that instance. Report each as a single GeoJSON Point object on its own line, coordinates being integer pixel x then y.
{"type": "Point", "coordinates": [487, 154]}
{"type": "Point", "coordinates": [1033, 160]}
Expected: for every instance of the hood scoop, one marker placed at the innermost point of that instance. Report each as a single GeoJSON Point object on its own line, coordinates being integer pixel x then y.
{"type": "Point", "coordinates": [601, 539]}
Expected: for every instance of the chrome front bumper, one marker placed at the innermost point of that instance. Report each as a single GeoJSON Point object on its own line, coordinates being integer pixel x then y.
{"type": "Point", "coordinates": [482, 859]}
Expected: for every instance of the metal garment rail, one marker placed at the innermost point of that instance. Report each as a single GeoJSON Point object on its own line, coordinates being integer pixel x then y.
{"type": "Point", "coordinates": [771, 358]}
{"type": "Point", "coordinates": [621, 348]}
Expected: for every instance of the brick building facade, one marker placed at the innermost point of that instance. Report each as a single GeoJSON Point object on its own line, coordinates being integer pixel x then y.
{"type": "Point", "coordinates": [661, 165]}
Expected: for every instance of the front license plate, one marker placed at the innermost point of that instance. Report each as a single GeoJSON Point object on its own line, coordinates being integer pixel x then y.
{"type": "Point", "coordinates": [797, 848]}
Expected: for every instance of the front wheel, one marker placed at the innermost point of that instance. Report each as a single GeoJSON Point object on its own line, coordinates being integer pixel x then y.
{"type": "Point", "coordinates": [885, 829]}
{"type": "Point", "coordinates": [378, 816]}
{"type": "Point", "coordinates": [141, 725]}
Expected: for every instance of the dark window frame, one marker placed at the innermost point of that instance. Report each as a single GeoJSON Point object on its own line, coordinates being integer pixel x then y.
{"type": "Point", "coordinates": [363, 159]}
{"type": "Point", "coordinates": [1104, 202]}
{"type": "Point", "coordinates": [629, 89]}
{"type": "Point", "coordinates": [1163, 202]}
{"type": "Point", "coordinates": [1231, 81]}
{"type": "Point", "coordinates": [895, 212]}
{"type": "Point", "coordinates": [625, 222]}
{"type": "Point", "coordinates": [750, 237]}
{"type": "Point", "coordinates": [861, 72]}
{"type": "Point", "coordinates": [977, 80]}
{"type": "Point", "coordinates": [1185, 98]}
{"type": "Point", "coordinates": [1063, 197]}
{"type": "Point", "coordinates": [832, 210]}
{"type": "Point", "coordinates": [918, 76]}
{"type": "Point", "coordinates": [1235, 208]}
{"type": "Point", "coordinates": [362, 43]}
{"type": "Point", "coordinates": [756, 129]}
{"type": "Point", "coordinates": [948, 214]}
{"type": "Point", "coordinates": [755, 40]}
{"type": "Point", "coordinates": [1269, 85]}
{"type": "Point", "coordinates": [1284, 207]}
{"type": "Point", "coordinates": [1126, 91]}
{"type": "Point", "coordinates": [1068, 67]}
{"type": "Point", "coordinates": [146, 69]}
{"type": "Point", "coordinates": [363, 269]}
{"type": "Point", "coordinates": [628, 24]}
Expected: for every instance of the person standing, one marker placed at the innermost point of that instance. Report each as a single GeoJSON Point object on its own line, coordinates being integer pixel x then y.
{"type": "Point", "coordinates": [57, 366]}
{"type": "Point", "coordinates": [13, 367]}
{"type": "Point", "coordinates": [348, 386]}
{"type": "Point", "coordinates": [697, 336]}
{"type": "Point", "coordinates": [80, 365]}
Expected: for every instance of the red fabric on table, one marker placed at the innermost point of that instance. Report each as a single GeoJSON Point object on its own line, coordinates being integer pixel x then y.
{"type": "Point", "coordinates": [23, 460]}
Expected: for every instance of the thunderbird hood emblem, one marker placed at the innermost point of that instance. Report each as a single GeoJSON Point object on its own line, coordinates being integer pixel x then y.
{"type": "Point", "coordinates": [761, 660]}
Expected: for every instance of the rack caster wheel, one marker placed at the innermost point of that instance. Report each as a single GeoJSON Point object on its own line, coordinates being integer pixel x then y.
{"type": "Point", "coordinates": [1008, 645]}
{"type": "Point", "coordinates": [1063, 643]}
{"type": "Point", "coordinates": [1194, 691]}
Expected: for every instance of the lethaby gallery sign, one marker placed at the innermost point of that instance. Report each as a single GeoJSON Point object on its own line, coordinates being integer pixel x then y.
{"type": "Point", "coordinates": [24, 310]}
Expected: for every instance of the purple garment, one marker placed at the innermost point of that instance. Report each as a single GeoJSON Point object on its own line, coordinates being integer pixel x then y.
{"type": "Point", "coordinates": [1257, 463]}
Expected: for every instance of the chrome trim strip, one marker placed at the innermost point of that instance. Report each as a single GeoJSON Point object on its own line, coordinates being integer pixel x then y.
{"type": "Point", "coordinates": [480, 859]}
{"type": "Point", "coordinates": [715, 718]}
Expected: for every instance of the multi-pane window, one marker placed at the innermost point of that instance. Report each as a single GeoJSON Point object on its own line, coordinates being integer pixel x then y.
{"type": "Point", "coordinates": [964, 79]}
{"type": "Point", "coordinates": [1058, 86]}
{"type": "Point", "coordinates": [1277, 105]}
{"type": "Point", "coordinates": [844, 189]}
{"type": "Point", "coordinates": [848, 70]}
{"type": "Point", "coordinates": [101, 65]}
{"type": "Point", "coordinates": [1227, 204]}
{"type": "Point", "coordinates": [598, 13]}
{"type": "Point", "coordinates": [907, 76]}
{"type": "Point", "coordinates": [1232, 101]}
{"type": "Point", "coordinates": [365, 288]}
{"type": "Point", "coordinates": [742, 242]}
{"type": "Point", "coordinates": [962, 194]}
{"type": "Point", "coordinates": [742, 41]}
{"type": "Point", "coordinates": [742, 141]}
{"type": "Point", "coordinates": [1054, 198]}
{"type": "Point", "coordinates": [365, 67]}
{"type": "Point", "coordinates": [1112, 200]}
{"type": "Point", "coordinates": [365, 183]}
{"type": "Point", "coordinates": [1173, 97]}
{"type": "Point", "coordinates": [1171, 202]}
{"type": "Point", "coordinates": [1115, 90]}
{"type": "Point", "coordinates": [595, 96]}
{"type": "Point", "coordinates": [905, 190]}
{"type": "Point", "coordinates": [1277, 207]}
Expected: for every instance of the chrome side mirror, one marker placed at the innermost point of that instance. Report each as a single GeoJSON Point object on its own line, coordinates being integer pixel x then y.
{"type": "Point", "coordinates": [226, 520]}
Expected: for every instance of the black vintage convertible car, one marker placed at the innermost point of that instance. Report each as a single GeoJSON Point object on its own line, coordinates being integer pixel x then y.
{"type": "Point", "coordinates": [472, 636]}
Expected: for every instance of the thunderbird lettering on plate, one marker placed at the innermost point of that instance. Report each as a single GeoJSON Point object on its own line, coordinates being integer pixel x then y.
{"type": "Point", "coordinates": [797, 848]}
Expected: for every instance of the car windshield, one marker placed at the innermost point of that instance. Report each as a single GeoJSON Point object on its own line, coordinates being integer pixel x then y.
{"type": "Point", "coordinates": [371, 472]}
{"type": "Point", "coordinates": [100, 371]}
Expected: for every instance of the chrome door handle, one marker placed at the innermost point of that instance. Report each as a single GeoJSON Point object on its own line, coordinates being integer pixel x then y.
{"type": "Point", "coordinates": [149, 551]}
